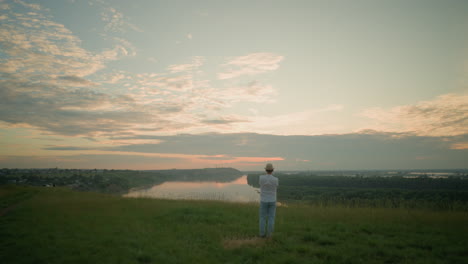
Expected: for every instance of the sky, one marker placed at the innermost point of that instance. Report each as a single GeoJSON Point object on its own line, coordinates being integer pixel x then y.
{"type": "Point", "coordinates": [305, 85]}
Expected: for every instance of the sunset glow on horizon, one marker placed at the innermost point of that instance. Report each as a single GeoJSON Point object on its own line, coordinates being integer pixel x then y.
{"type": "Point", "coordinates": [305, 85]}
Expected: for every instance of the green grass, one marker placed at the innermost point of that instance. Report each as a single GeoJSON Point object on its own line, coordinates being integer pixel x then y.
{"type": "Point", "coordinates": [55, 225]}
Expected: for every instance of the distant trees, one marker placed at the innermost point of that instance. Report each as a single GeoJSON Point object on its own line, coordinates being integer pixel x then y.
{"type": "Point", "coordinates": [450, 193]}
{"type": "Point", "coordinates": [111, 181]}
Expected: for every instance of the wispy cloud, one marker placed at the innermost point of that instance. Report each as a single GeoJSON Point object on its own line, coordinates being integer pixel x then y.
{"type": "Point", "coordinates": [28, 5]}
{"type": "Point", "coordinates": [68, 112]}
{"type": "Point", "coordinates": [223, 120]}
{"type": "Point", "coordinates": [250, 64]}
{"type": "Point", "coordinates": [461, 145]}
{"type": "Point", "coordinates": [116, 21]}
{"type": "Point", "coordinates": [253, 91]}
{"type": "Point", "coordinates": [446, 115]}
{"type": "Point", "coordinates": [48, 81]}
{"type": "Point", "coordinates": [196, 62]}
{"type": "Point", "coordinates": [52, 83]}
{"type": "Point", "coordinates": [114, 77]}
{"type": "Point", "coordinates": [157, 83]}
{"type": "Point", "coordinates": [76, 81]}
{"type": "Point", "coordinates": [309, 122]}
{"type": "Point", "coordinates": [125, 46]}
{"type": "Point", "coordinates": [34, 45]}
{"type": "Point", "coordinates": [4, 6]}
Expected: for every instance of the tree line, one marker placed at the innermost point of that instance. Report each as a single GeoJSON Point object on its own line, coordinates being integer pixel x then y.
{"type": "Point", "coordinates": [395, 192]}
{"type": "Point", "coordinates": [111, 181]}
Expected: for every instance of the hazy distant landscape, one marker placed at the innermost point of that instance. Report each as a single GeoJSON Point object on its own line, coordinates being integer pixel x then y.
{"type": "Point", "coordinates": [429, 189]}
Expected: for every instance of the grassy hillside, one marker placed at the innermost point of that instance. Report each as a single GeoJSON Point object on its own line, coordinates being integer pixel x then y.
{"type": "Point", "coordinates": [55, 225]}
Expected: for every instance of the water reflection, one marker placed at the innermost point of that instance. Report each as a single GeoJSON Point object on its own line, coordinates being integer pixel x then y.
{"type": "Point", "coordinates": [236, 191]}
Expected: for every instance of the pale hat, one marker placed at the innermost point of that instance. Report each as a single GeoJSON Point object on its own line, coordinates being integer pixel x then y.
{"type": "Point", "coordinates": [269, 166]}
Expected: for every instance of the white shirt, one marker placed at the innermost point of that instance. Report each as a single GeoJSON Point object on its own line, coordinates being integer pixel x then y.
{"type": "Point", "coordinates": [268, 185]}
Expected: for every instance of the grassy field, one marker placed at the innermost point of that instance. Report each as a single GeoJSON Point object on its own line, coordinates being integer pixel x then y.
{"type": "Point", "coordinates": [55, 225]}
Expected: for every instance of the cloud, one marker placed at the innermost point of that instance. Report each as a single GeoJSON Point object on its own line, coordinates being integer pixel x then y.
{"type": "Point", "coordinates": [76, 81]}
{"type": "Point", "coordinates": [349, 151]}
{"type": "Point", "coordinates": [310, 122]}
{"type": "Point", "coordinates": [254, 91]}
{"type": "Point", "coordinates": [65, 148]}
{"type": "Point", "coordinates": [165, 84]}
{"type": "Point", "coordinates": [127, 48]}
{"type": "Point", "coordinates": [32, 6]}
{"type": "Point", "coordinates": [115, 77]}
{"type": "Point", "coordinates": [461, 145]}
{"type": "Point", "coordinates": [116, 22]}
{"type": "Point", "coordinates": [446, 115]}
{"type": "Point", "coordinates": [75, 112]}
{"type": "Point", "coordinates": [223, 120]}
{"type": "Point", "coordinates": [250, 64]}
{"type": "Point", "coordinates": [129, 161]}
{"type": "Point", "coordinates": [50, 82]}
{"type": "Point", "coordinates": [33, 45]}
{"type": "Point", "coordinates": [46, 79]}
{"type": "Point", "coordinates": [220, 98]}
{"type": "Point", "coordinates": [91, 161]}
{"type": "Point", "coordinates": [4, 6]}
{"type": "Point", "coordinates": [196, 62]}
{"type": "Point", "coordinates": [176, 83]}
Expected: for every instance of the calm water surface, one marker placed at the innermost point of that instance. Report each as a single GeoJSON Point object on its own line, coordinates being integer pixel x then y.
{"type": "Point", "coordinates": [236, 191]}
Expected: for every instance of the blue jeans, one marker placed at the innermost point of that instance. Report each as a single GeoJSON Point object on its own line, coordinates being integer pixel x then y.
{"type": "Point", "coordinates": [267, 214]}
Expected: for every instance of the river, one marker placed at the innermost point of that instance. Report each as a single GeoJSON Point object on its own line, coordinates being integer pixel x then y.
{"type": "Point", "coordinates": [234, 191]}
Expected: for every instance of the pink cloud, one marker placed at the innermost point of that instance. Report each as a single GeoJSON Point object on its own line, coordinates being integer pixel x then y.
{"type": "Point", "coordinates": [196, 62]}
{"type": "Point", "coordinates": [258, 159]}
{"type": "Point", "coordinates": [237, 161]}
{"type": "Point", "coordinates": [446, 115]}
{"type": "Point", "coordinates": [252, 92]}
{"type": "Point", "coordinates": [251, 64]}
{"type": "Point", "coordinates": [461, 145]}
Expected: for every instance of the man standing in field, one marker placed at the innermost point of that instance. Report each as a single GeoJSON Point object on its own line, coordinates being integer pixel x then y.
{"type": "Point", "coordinates": [268, 186]}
